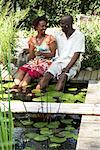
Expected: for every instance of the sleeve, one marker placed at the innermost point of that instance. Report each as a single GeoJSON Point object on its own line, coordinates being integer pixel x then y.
{"type": "Point", "coordinates": [79, 45]}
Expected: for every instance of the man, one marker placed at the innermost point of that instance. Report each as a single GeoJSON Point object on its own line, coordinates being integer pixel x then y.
{"type": "Point", "coordinates": [71, 45]}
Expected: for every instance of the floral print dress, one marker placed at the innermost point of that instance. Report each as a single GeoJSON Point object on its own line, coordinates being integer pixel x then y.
{"type": "Point", "coordinates": [37, 67]}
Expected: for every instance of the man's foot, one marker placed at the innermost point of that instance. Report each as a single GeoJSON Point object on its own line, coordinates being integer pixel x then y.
{"type": "Point", "coordinates": [44, 81]}
{"type": "Point", "coordinates": [61, 82]}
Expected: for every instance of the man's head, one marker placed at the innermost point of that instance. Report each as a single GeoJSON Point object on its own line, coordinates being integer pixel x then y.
{"type": "Point", "coordinates": [66, 23]}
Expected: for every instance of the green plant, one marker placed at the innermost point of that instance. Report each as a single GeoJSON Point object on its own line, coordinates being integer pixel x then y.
{"type": "Point", "coordinates": [9, 21]}
{"type": "Point", "coordinates": [91, 29]}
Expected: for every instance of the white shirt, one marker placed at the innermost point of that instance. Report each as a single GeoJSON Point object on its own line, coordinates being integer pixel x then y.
{"type": "Point", "coordinates": [67, 47]}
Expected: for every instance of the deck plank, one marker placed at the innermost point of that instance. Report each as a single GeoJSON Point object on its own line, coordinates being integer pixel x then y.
{"type": "Point", "coordinates": [93, 92]}
{"type": "Point", "coordinates": [87, 75]}
{"type": "Point", "coordinates": [94, 75]}
{"type": "Point", "coordinates": [89, 134]}
{"type": "Point", "coordinates": [98, 76]}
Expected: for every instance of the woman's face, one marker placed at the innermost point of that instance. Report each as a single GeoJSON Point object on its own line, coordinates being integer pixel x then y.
{"type": "Point", "coordinates": [42, 25]}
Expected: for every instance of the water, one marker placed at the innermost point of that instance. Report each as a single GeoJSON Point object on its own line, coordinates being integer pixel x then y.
{"type": "Point", "coordinates": [25, 143]}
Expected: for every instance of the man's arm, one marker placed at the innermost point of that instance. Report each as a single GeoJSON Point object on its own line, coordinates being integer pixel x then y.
{"type": "Point", "coordinates": [72, 62]}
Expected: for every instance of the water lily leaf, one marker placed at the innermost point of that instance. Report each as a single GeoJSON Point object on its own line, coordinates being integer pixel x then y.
{"type": "Point", "coordinates": [72, 89]}
{"type": "Point", "coordinates": [53, 124]}
{"type": "Point", "coordinates": [55, 145]}
{"type": "Point", "coordinates": [40, 138]}
{"type": "Point", "coordinates": [61, 134]}
{"type": "Point", "coordinates": [69, 128]}
{"type": "Point", "coordinates": [8, 85]}
{"type": "Point", "coordinates": [36, 91]}
{"type": "Point", "coordinates": [30, 148]}
{"type": "Point", "coordinates": [46, 131]}
{"type": "Point", "coordinates": [40, 124]}
{"type": "Point", "coordinates": [31, 135]}
{"type": "Point", "coordinates": [57, 139]}
{"type": "Point", "coordinates": [26, 122]}
{"type": "Point", "coordinates": [66, 121]}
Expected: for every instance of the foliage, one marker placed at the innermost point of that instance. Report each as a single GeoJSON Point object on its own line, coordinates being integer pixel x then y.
{"type": "Point", "coordinates": [92, 33]}
{"type": "Point", "coordinates": [8, 24]}
{"type": "Point", "coordinates": [8, 27]}
{"type": "Point", "coordinates": [55, 9]}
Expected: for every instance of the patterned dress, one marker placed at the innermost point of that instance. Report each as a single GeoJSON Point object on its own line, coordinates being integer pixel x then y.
{"type": "Point", "coordinates": [37, 67]}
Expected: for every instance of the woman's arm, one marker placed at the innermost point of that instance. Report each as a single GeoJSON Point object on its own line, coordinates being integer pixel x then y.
{"type": "Point", "coordinates": [53, 47]}
{"type": "Point", "coordinates": [31, 49]}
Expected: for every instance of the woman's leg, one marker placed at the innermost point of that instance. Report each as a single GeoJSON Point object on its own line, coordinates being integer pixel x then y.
{"type": "Point", "coordinates": [19, 77]}
{"type": "Point", "coordinates": [26, 80]}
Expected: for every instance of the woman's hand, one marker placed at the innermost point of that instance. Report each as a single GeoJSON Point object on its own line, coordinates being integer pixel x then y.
{"type": "Point", "coordinates": [38, 53]}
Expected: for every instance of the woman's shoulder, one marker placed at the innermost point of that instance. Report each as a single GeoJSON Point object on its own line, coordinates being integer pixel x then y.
{"type": "Point", "coordinates": [32, 39]}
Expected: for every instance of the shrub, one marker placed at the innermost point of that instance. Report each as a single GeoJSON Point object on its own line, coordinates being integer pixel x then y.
{"type": "Point", "coordinates": [91, 29]}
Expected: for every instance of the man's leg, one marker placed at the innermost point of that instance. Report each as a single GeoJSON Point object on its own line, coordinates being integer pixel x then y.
{"type": "Point", "coordinates": [44, 81]}
{"type": "Point", "coordinates": [61, 82]}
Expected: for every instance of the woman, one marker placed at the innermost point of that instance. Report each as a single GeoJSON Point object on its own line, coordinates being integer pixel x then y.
{"type": "Point", "coordinates": [42, 49]}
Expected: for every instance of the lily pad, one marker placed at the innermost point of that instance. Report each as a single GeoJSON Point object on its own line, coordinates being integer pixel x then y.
{"type": "Point", "coordinates": [66, 121]}
{"type": "Point", "coordinates": [61, 134]}
{"type": "Point", "coordinates": [26, 122]}
{"type": "Point", "coordinates": [40, 124]}
{"type": "Point", "coordinates": [30, 148]}
{"type": "Point", "coordinates": [46, 131]}
{"type": "Point", "coordinates": [55, 145]}
{"type": "Point", "coordinates": [55, 139]}
{"type": "Point", "coordinates": [36, 91]}
{"type": "Point", "coordinates": [72, 89]}
{"type": "Point", "coordinates": [69, 128]}
{"type": "Point", "coordinates": [40, 138]}
{"type": "Point", "coordinates": [31, 135]}
{"type": "Point", "coordinates": [53, 125]}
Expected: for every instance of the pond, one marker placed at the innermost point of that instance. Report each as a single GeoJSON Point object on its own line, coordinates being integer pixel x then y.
{"type": "Point", "coordinates": [46, 132]}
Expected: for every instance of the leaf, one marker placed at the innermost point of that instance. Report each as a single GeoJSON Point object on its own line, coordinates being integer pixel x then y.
{"type": "Point", "coordinates": [31, 135]}
{"type": "Point", "coordinates": [55, 145]}
{"type": "Point", "coordinates": [40, 124]}
{"type": "Point", "coordinates": [46, 131]}
{"type": "Point", "coordinates": [36, 91]}
{"type": "Point", "coordinates": [55, 139]}
{"type": "Point", "coordinates": [70, 128]}
{"type": "Point", "coordinates": [40, 138]}
{"type": "Point", "coordinates": [66, 121]}
{"type": "Point", "coordinates": [26, 122]}
{"type": "Point", "coordinates": [53, 124]}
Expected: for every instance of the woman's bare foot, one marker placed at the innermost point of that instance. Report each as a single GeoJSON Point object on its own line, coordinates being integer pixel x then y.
{"type": "Point", "coordinates": [38, 87]}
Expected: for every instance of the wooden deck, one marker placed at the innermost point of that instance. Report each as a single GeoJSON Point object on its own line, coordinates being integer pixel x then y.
{"type": "Point", "coordinates": [89, 134]}
{"type": "Point", "coordinates": [84, 76]}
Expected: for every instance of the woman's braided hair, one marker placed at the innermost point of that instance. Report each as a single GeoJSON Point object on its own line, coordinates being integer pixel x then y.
{"type": "Point", "coordinates": [37, 20]}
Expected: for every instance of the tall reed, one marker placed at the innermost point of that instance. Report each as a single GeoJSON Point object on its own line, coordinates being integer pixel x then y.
{"type": "Point", "coordinates": [9, 21]}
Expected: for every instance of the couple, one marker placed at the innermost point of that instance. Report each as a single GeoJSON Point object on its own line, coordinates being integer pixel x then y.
{"type": "Point", "coordinates": [69, 43]}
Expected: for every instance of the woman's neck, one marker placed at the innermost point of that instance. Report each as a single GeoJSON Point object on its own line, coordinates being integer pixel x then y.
{"type": "Point", "coordinates": [39, 35]}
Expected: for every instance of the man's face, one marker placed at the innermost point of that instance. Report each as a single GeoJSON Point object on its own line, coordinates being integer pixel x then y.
{"type": "Point", "coordinates": [64, 25]}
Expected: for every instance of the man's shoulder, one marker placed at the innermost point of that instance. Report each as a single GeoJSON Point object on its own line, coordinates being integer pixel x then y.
{"type": "Point", "coordinates": [79, 33]}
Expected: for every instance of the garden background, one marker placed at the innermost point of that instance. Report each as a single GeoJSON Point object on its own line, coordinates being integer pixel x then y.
{"type": "Point", "coordinates": [17, 15]}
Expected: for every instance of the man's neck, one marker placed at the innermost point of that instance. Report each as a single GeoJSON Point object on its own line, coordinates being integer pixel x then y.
{"type": "Point", "coordinates": [69, 32]}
